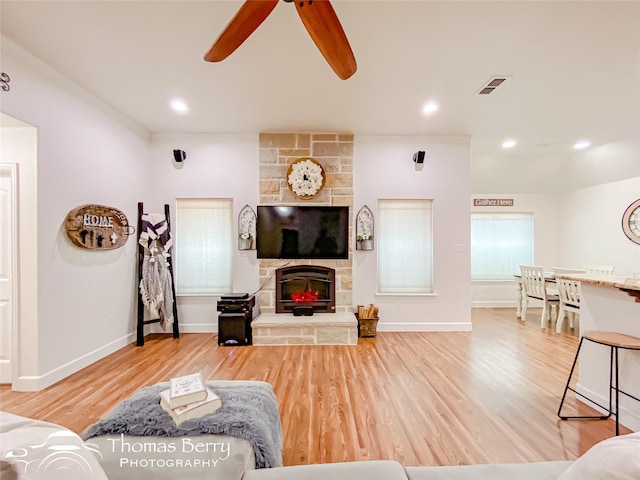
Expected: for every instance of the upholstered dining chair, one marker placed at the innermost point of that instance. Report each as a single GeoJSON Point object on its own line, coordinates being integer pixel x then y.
{"type": "Point", "coordinates": [534, 287]}
{"type": "Point", "coordinates": [569, 294]}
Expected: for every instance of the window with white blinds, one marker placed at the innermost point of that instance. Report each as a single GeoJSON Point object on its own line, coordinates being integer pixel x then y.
{"type": "Point", "coordinates": [500, 243]}
{"type": "Point", "coordinates": [405, 247]}
{"type": "Point", "coordinates": [203, 246]}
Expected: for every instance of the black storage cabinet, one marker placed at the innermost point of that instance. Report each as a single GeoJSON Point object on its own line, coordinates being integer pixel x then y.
{"type": "Point", "coordinates": [234, 319]}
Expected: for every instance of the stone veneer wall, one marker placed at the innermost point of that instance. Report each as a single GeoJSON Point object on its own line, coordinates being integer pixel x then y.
{"type": "Point", "coordinates": [335, 153]}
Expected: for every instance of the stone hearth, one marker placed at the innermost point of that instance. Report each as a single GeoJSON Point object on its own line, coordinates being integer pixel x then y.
{"type": "Point", "coordinates": [318, 329]}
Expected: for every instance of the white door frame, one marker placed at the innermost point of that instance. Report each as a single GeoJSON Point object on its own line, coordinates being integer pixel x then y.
{"type": "Point", "coordinates": [11, 170]}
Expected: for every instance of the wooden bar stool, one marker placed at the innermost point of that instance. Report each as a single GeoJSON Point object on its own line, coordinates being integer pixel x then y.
{"type": "Point", "coordinates": [615, 341]}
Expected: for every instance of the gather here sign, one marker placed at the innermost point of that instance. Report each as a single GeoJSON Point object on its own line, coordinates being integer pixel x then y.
{"type": "Point", "coordinates": [493, 202]}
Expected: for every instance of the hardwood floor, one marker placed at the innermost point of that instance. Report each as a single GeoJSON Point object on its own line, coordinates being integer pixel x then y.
{"type": "Point", "coordinates": [485, 396]}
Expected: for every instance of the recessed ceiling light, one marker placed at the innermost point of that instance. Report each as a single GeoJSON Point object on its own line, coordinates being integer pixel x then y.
{"type": "Point", "coordinates": [582, 144]}
{"type": "Point", "coordinates": [179, 105]}
{"type": "Point", "coordinates": [509, 144]}
{"type": "Point", "coordinates": [429, 108]}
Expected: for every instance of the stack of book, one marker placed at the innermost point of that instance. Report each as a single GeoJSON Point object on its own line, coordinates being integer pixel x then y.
{"type": "Point", "coordinates": [189, 397]}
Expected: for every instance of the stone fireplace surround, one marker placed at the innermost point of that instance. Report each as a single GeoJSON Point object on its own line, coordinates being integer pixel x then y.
{"type": "Point", "coordinates": [335, 152]}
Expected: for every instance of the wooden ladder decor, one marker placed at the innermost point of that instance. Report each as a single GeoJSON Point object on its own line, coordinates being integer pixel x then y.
{"type": "Point", "coordinates": [141, 308]}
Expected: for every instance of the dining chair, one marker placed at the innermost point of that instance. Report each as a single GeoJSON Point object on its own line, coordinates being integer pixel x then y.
{"type": "Point", "coordinates": [569, 294]}
{"type": "Point", "coordinates": [599, 269]}
{"type": "Point", "coordinates": [534, 287]}
{"type": "Point", "coordinates": [560, 271]}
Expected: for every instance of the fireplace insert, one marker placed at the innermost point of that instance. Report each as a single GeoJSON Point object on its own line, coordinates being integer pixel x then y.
{"type": "Point", "coordinates": [305, 285]}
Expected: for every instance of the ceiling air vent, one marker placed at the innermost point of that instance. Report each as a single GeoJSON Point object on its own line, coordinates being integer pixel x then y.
{"type": "Point", "coordinates": [491, 85]}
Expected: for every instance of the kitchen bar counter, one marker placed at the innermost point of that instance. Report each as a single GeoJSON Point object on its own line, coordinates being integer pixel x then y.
{"type": "Point", "coordinates": [611, 303]}
{"type": "Point", "coordinates": [629, 285]}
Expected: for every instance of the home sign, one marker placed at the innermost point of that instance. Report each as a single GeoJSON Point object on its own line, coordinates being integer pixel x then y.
{"type": "Point", "coordinates": [97, 227]}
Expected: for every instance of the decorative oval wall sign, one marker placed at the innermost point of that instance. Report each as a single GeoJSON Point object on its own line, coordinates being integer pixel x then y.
{"type": "Point", "coordinates": [97, 227]}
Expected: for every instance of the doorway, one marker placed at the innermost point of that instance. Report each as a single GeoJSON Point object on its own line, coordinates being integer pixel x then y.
{"type": "Point", "coordinates": [18, 233]}
{"type": "Point", "coordinates": [8, 268]}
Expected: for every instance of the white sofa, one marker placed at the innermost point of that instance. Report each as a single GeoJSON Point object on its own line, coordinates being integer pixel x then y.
{"type": "Point", "coordinates": [617, 458]}
{"type": "Point", "coordinates": [35, 450]}
{"type": "Point", "coordinates": [392, 470]}
{"type": "Point", "coordinates": [44, 451]}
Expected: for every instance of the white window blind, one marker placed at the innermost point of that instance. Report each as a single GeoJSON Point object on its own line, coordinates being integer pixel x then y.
{"type": "Point", "coordinates": [204, 246]}
{"type": "Point", "coordinates": [405, 246]}
{"type": "Point", "coordinates": [500, 243]}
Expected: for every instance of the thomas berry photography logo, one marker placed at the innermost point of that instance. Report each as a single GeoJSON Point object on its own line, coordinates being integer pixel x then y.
{"type": "Point", "coordinates": [179, 453]}
{"type": "Point", "coordinates": [62, 456]}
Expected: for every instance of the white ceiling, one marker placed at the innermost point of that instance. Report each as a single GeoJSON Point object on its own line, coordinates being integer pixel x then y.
{"type": "Point", "coordinates": [574, 70]}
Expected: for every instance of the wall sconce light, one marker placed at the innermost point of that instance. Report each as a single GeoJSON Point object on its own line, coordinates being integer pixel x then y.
{"type": "Point", "coordinates": [418, 159]}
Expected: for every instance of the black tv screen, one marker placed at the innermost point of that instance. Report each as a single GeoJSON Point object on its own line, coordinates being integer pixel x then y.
{"type": "Point", "coordinates": [284, 231]}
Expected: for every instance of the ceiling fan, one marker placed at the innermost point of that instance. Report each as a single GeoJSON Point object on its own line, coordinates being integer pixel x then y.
{"type": "Point", "coordinates": [318, 17]}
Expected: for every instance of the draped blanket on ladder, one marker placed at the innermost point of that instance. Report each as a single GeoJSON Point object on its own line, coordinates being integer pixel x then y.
{"type": "Point", "coordinates": [155, 285]}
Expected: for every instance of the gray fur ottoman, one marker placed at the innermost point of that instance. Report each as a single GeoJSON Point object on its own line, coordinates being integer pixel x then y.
{"type": "Point", "coordinates": [139, 440]}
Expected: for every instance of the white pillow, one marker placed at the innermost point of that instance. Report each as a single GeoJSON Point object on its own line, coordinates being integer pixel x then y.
{"type": "Point", "coordinates": [616, 458]}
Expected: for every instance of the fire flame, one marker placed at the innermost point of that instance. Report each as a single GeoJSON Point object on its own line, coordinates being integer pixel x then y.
{"type": "Point", "coordinates": [304, 297]}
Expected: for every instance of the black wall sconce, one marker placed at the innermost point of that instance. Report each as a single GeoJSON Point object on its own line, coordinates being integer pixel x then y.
{"type": "Point", "coordinates": [179, 155]}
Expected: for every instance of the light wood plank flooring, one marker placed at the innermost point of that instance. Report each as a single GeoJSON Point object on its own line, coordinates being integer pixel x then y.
{"type": "Point", "coordinates": [485, 396]}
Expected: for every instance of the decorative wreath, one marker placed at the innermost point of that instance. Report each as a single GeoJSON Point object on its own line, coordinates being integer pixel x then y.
{"type": "Point", "coordinates": [306, 177]}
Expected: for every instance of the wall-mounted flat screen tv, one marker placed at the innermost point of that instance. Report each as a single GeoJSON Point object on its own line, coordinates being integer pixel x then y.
{"type": "Point", "coordinates": [284, 231]}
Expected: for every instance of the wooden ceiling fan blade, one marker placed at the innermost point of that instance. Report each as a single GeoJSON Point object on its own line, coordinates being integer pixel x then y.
{"type": "Point", "coordinates": [325, 30]}
{"type": "Point", "coordinates": [249, 17]}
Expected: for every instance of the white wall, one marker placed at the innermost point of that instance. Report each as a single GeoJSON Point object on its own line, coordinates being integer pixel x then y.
{"type": "Point", "coordinates": [383, 168]}
{"type": "Point", "coordinates": [86, 154]}
{"type": "Point", "coordinates": [217, 166]}
{"type": "Point", "coordinates": [591, 231]}
{"type": "Point", "coordinates": [603, 164]}
{"type": "Point", "coordinates": [547, 223]}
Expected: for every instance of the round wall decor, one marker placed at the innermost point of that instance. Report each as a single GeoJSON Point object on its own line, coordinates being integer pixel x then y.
{"type": "Point", "coordinates": [631, 222]}
{"type": "Point", "coordinates": [97, 227]}
{"type": "Point", "coordinates": [306, 177]}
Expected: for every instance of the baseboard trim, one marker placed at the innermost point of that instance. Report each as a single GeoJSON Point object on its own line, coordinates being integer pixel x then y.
{"type": "Point", "coordinates": [493, 304]}
{"type": "Point", "coordinates": [198, 328]}
{"type": "Point", "coordinates": [424, 327]}
{"type": "Point", "coordinates": [37, 383]}
{"type": "Point", "coordinates": [628, 418]}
